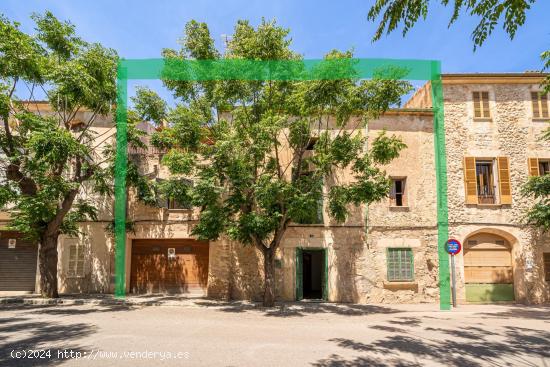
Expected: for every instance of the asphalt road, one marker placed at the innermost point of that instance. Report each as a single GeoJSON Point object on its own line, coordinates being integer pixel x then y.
{"type": "Point", "coordinates": [213, 334]}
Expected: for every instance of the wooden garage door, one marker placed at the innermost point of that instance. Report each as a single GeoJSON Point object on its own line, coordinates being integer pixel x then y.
{"type": "Point", "coordinates": [488, 270]}
{"type": "Point", "coordinates": [152, 271]}
{"type": "Point", "coordinates": [17, 265]}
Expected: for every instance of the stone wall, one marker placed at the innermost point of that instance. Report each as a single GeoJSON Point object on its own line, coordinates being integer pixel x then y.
{"type": "Point", "coordinates": [511, 132]}
{"type": "Point", "coordinates": [356, 259]}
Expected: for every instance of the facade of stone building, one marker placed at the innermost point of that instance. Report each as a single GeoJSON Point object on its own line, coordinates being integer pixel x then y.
{"type": "Point", "coordinates": [493, 125]}
{"type": "Point", "coordinates": [384, 253]}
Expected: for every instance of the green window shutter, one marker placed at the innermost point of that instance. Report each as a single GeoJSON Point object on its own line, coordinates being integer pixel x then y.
{"type": "Point", "coordinates": [320, 211]}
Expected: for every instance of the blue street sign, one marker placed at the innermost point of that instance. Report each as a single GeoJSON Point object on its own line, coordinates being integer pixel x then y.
{"type": "Point", "coordinates": [453, 246]}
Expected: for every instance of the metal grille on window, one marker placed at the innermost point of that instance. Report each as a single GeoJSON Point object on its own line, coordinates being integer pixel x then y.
{"type": "Point", "coordinates": [400, 264]}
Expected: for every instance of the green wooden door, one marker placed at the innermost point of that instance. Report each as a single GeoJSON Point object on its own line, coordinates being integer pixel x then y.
{"type": "Point", "coordinates": [299, 275]}
{"type": "Point", "coordinates": [325, 275]}
{"type": "Point", "coordinates": [480, 293]}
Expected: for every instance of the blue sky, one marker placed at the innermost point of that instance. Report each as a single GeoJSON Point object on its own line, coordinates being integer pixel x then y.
{"type": "Point", "coordinates": [141, 28]}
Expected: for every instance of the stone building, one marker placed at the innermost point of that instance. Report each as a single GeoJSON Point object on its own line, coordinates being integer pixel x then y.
{"type": "Point", "coordinates": [384, 253]}
{"type": "Point", "coordinates": [493, 125]}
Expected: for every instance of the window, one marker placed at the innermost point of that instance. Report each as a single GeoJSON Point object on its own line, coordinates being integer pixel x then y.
{"type": "Point", "coordinates": [174, 204]}
{"type": "Point", "coordinates": [546, 257]}
{"type": "Point", "coordinates": [538, 166]}
{"type": "Point", "coordinates": [400, 264]}
{"type": "Point", "coordinates": [540, 105]}
{"type": "Point", "coordinates": [76, 258]}
{"type": "Point", "coordinates": [168, 189]}
{"type": "Point", "coordinates": [315, 214]}
{"type": "Point", "coordinates": [311, 143]}
{"type": "Point", "coordinates": [397, 194]}
{"type": "Point", "coordinates": [487, 180]}
{"type": "Point", "coordinates": [481, 105]}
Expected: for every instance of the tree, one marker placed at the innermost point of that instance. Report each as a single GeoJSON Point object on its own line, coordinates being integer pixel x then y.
{"type": "Point", "coordinates": [408, 12]}
{"type": "Point", "coordinates": [512, 14]}
{"type": "Point", "coordinates": [231, 137]}
{"type": "Point", "coordinates": [47, 158]}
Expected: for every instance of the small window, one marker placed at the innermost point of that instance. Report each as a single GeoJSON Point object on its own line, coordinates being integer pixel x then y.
{"type": "Point", "coordinates": [174, 204]}
{"type": "Point", "coordinates": [546, 257]}
{"type": "Point", "coordinates": [481, 105]}
{"type": "Point", "coordinates": [400, 264]}
{"type": "Point", "coordinates": [311, 143]}
{"type": "Point", "coordinates": [544, 167]}
{"type": "Point", "coordinates": [163, 201]}
{"type": "Point", "coordinates": [76, 259]}
{"type": "Point", "coordinates": [540, 105]}
{"type": "Point", "coordinates": [397, 194]}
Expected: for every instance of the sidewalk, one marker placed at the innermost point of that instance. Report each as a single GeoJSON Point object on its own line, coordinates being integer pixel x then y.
{"type": "Point", "coordinates": [288, 308]}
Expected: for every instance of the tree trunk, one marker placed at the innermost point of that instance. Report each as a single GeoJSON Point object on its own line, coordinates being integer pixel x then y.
{"type": "Point", "coordinates": [47, 264]}
{"type": "Point", "coordinates": [269, 277]}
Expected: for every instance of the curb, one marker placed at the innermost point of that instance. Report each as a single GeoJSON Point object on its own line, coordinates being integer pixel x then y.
{"type": "Point", "coordinates": [111, 302]}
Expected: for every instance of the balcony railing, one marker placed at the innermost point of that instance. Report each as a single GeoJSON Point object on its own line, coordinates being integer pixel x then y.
{"type": "Point", "coordinates": [486, 195]}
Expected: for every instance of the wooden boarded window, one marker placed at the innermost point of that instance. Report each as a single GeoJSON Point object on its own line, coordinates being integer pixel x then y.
{"type": "Point", "coordinates": [505, 185]}
{"type": "Point", "coordinates": [540, 105]}
{"type": "Point", "coordinates": [481, 105]}
{"type": "Point", "coordinates": [400, 264]}
{"type": "Point", "coordinates": [546, 257]}
{"type": "Point", "coordinates": [398, 195]}
{"type": "Point", "coordinates": [76, 258]}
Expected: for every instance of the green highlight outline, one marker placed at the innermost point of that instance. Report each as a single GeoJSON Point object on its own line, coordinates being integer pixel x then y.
{"type": "Point", "coordinates": [310, 69]}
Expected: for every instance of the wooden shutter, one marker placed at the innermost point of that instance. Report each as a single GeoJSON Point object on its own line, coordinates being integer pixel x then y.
{"type": "Point", "coordinates": [535, 104]}
{"type": "Point", "coordinates": [540, 105]}
{"type": "Point", "coordinates": [477, 104]}
{"type": "Point", "coordinates": [504, 180]}
{"type": "Point", "coordinates": [534, 167]}
{"type": "Point", "coordinates": [485, 102]}
{"type": "Point", "coordinates": [544, 106]}
{"type": "Point", "coordinates": [470, 182]}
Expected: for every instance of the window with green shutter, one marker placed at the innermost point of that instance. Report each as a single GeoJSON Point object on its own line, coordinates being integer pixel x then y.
{"type": "Point", "coordinates": [400, 264]}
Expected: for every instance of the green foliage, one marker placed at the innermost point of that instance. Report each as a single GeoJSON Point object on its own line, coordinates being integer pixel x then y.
{"type": "Point", "coordinates": [149, 106]}
{"type": "Point", "coordinates": [512, 14]}
{"type": "Point", "coordinates": [538, 188]}
{"type": "Point", "coordinates": [46, 157]}
{"type": "Point", "coordinates": [545, 57]}
{"type": "Point", "coordinates": [177, 189]}
{"type": "Point", "coordinates": [245, 142]}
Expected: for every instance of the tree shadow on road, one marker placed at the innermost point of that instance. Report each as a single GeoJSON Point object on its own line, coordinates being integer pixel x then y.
{"type": "Point", "coordinates": [299, 309]}
{"type": "Point", "coordinates": [464, 346]}
{"type": "Point", "coordinates": [21, 335]}
{"type": "Point", "coordinates": [70, 309]}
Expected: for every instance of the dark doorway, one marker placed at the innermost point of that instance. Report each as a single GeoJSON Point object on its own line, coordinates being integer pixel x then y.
{"type": "Point", "coordinates": [313, 276]}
